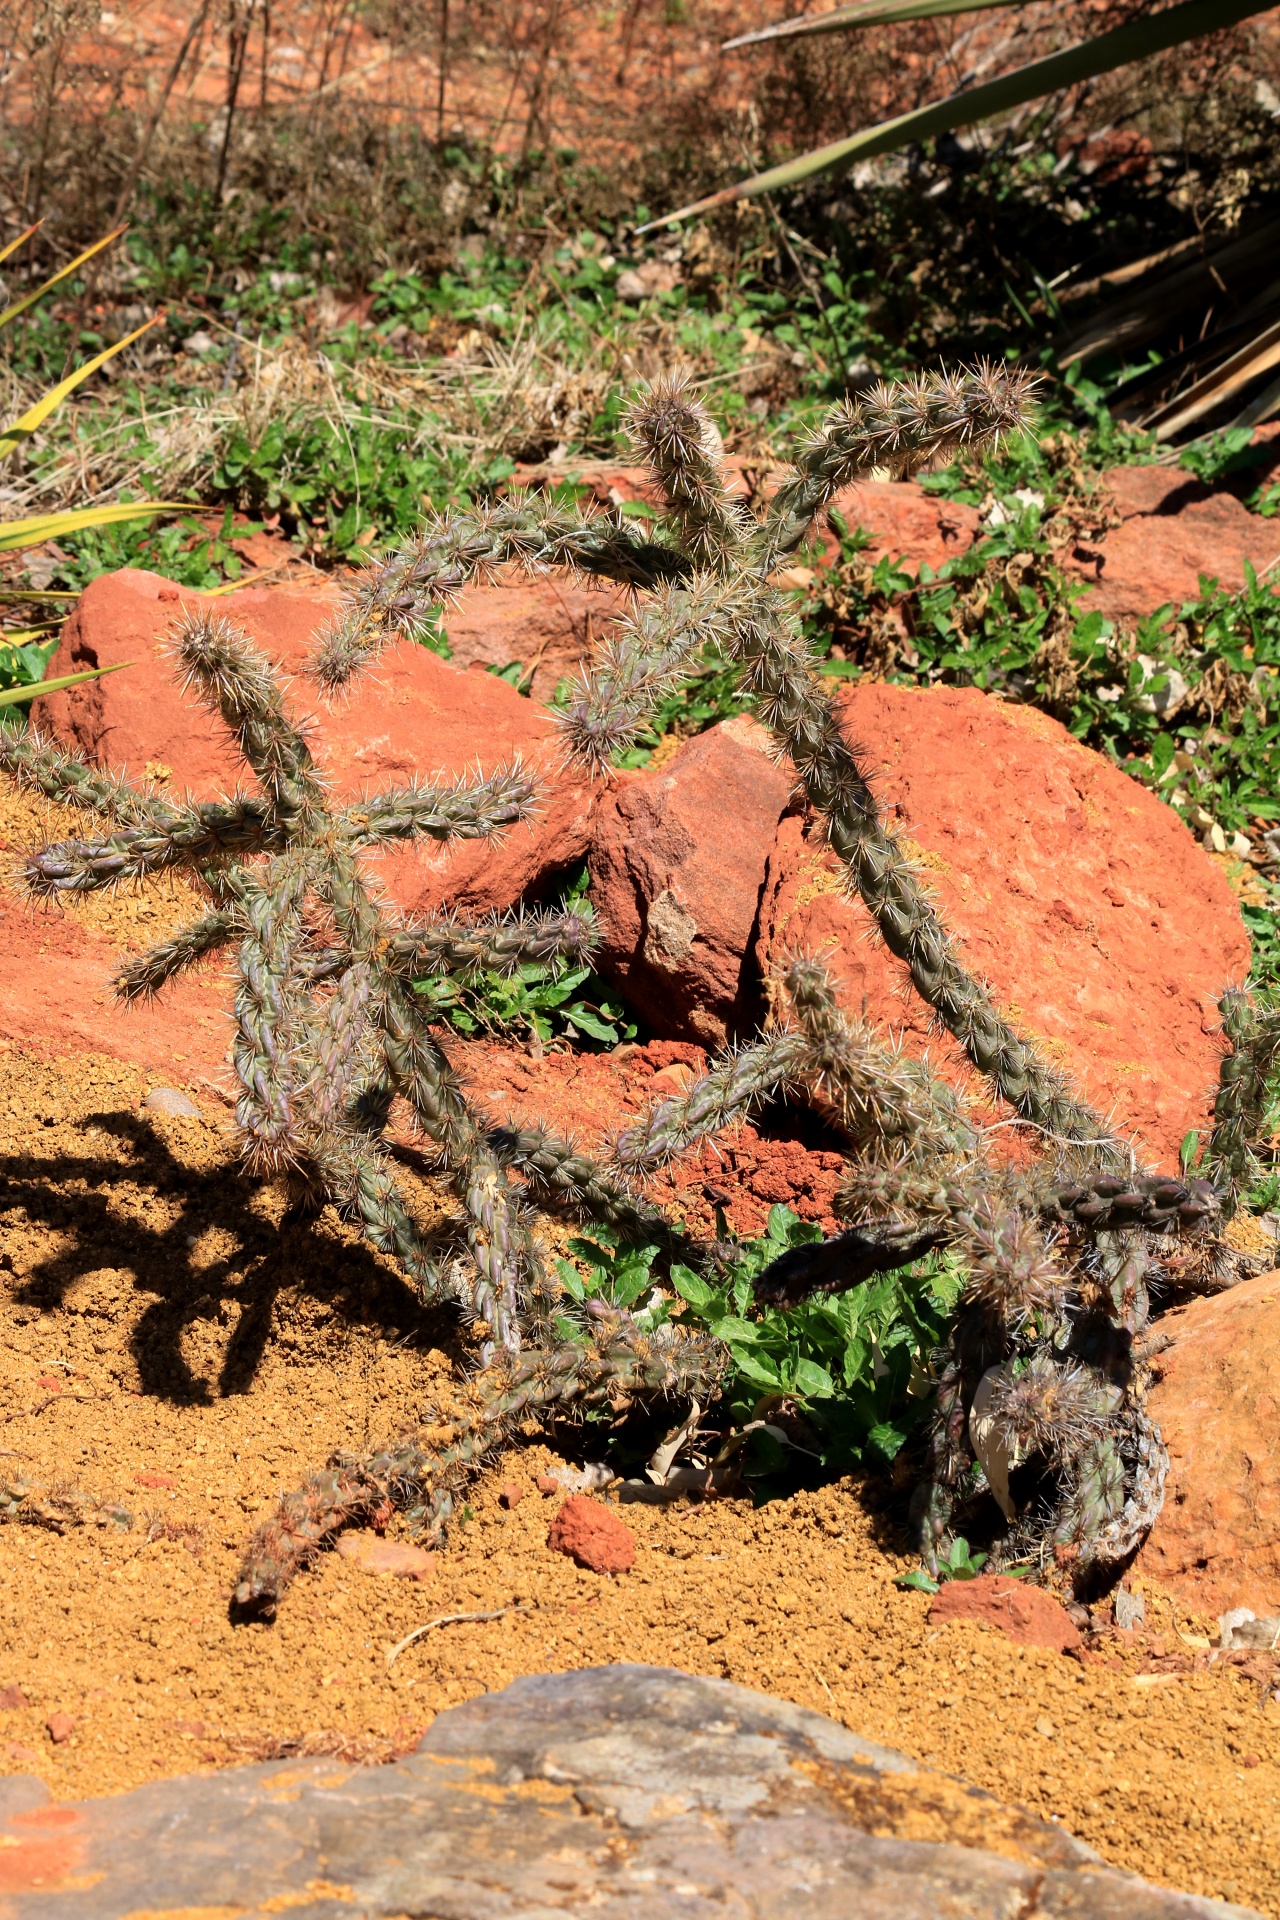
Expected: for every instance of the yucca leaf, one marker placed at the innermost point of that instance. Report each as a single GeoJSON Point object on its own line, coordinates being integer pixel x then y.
{"type": "Point", "coordinates": [15, 244]}
{"type": "Point", "coordinates": [1134, 41]}
{"type": "Point", "coordinates": [14, 696]}
{"type": "Point", "coordinates": [35, 416]}
{"type": "Point", "coordinates": [863, 13]}
{"type": "Point", "coordinates": [29, 299]}
{"type": "Point", "coordinates": [19, 636]}
{"type": "Point", "coordinates": [51, 526]}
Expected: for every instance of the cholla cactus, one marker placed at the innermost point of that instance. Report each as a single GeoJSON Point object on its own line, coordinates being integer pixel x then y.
{"type": "Point", "coordinates": [329, 1030]}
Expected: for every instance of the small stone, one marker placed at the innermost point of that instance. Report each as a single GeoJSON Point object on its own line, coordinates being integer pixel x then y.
{"type": "Point", "coordinates": [11, 1698]}
{"type": "Point", "coordinates": [593, 1536]}
{"type": "Point", "coordinates": [154, 1480]}
{"type": "Point", "coordinates": [674, 1079]}
{"type": "Point", "coordinates": [368, 1554]}
{"type": "Point", "coordinates": [1044, 1726]}
{"type": "Point", "coordinates": [49, 1383]}
{"type": "Point", "coordinates": [1130, 1609]}
{"type": "Point", "coordinates": [20, 1755]}
{"type": "Point", "coordinates": [171, 1103]}
{"type": "Point", "coordinates": [1027, 1614]}
{"type": "Point", "coordinates": [510, 1496]}
{"type": "Point", "coordinates": [60, 1727]}
{"type": "Point", "coordinates": [547, 1483]}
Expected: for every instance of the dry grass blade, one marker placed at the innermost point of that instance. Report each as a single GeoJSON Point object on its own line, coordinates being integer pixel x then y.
{"type": "Point", "coordinates": [450, 1620]}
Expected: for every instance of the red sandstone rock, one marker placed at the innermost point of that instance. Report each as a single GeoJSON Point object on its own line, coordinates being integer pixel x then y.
{"type": "Point", "coordinates": [547, 1483]}
{"type": "Point", "coordinates": [907, 523]}
{"type": "Point", "coordinates": [593, 1536]}
{"type": "Point", "coordinates": [677, 863]}
{"type": "Point", "coordinates": [12, 1698]}
{"type": "Point", "coordinates": [548, 624]}
{"type": "Point", "coordinates": [1099, 924]}
{"type": "Point", "coordinates": [1216, 1543]}
{"type": "Point", "coordinates": [1173, 529]}
{"type": "Point", "coordinates": [154, 1480]}
{"type": "Point", "coordinates": [412, 714]}
{"type": "Point", "coordinates": [55, 997]}
{"type": "Point", "coordinates": [1026, 1614]}
{"type": "Point", "coordinates": [510, 1496]}
{"type": "Point", "coordinates": [60, 1727]}
{"type": "Point", "coordinates": [368, 1553]}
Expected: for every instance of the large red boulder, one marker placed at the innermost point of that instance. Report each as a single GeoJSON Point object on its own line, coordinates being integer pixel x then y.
{"type": "Point", "coordinates": [1216, 1543]}
{"type": "Point", "coordinates": [1099, 924]}
{"type": "Point", "coordinates": [548, 624]}
{"type": "Point", "coordinates": [677, 863]}
{"type": "Point", "coordinates": [1173, 529]}
{"type": "Point", "coordinates": [412, 715]}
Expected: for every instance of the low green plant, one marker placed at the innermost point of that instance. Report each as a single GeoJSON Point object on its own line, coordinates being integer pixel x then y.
{"type": "Point", "coordinates": [855, 1364]}
{"type": "Point", "coordinates": [542, 999]}
{"type": "Point", "coordinates": [956, 1562]}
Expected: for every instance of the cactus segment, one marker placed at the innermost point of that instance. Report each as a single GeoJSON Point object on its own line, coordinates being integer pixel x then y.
{"type": "Point", "coordinates": [611, 1362]}
{"type": "Point", "coordinates": [401, 592]}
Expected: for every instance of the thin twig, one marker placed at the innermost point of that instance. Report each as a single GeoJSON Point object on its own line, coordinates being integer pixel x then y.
{"type": "Point", "coordinates": [450, 1620]}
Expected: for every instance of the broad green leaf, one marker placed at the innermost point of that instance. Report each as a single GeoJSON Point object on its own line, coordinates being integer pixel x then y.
{"type": "Point", "coordinates": [886, 1440]}
{"type": "Point", "coordinates": [731, 1329]}
{"type": "Point", "coordinates": [14, 696]}
{"type": "Point", "coordinates": [15, 534]}
{"type": "Point", "coordinates": [811, 1379]}
{"type": "Point", "coordinates": [35, 416]}
{"type": "Point", "coordinates": [1136, 40]}
{"type": "Point", "coordinates": [693, 1288]}
{"type": "Point", "coordinates": [590, 1023]}
{"type": "Point", "coordinates": [918, 1579]}
{"type": "Point", "coordinates": [760, 1373]}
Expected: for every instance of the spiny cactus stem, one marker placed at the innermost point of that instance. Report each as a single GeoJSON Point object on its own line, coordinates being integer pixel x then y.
{"type": "Point", "coordinates": [728, 1091]}
{"type": "Point", "coordinates": [613, 1362]}
{"type": "Point", "coordinates": [264, 1052]}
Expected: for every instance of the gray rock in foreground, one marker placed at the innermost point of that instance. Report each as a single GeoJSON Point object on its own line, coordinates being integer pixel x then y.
{"type": "Point", "coordinates": [631, 1793]}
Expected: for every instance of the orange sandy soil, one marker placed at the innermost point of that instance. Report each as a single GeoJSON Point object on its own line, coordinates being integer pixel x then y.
{"type": "Point", "coordinates": [160, 1329]}
{"type": "Point", "coordinates": [170, 1348]}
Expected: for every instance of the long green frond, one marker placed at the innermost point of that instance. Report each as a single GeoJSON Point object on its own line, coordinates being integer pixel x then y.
{"type": "Point", "coordinates": [1135, 41]}
{"type": "Point", "coordinates": [35, 416]}
{"type": "Point", "coordinates": [29, 299]}
{"type": "Point", "coordinates": [14, 696]}
{"type": "Point", "coordinates": [864, 13]}
{"type": "Point", "coordinates": [51, 526]}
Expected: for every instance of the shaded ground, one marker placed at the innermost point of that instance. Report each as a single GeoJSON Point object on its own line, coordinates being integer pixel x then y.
{"type": "Point", "coordinates": [171, 1349]}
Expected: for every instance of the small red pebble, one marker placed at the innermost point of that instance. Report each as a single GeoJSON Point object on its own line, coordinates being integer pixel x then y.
{"type": "Point", "coordinates": [12, 1697]}
{"type": "Point", "coordinates": [60, 1727]}
{"type": "Point", "coordinates": [154, 1480]}
{"type": "Point", "coordinates": [547, 1483]}
{"type": "Point", "coordinates": [593, 1536]}
{"type": "Point", "coordinates": [510, 1496]}
{"type": "Point", "coordinates": [48, 1384]}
